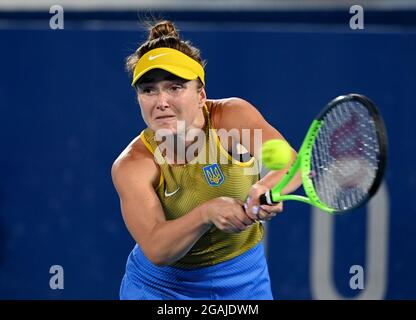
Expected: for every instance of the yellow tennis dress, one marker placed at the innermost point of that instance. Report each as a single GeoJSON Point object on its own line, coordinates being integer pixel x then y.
{"type": "Point", "coordinates": [214, 173]}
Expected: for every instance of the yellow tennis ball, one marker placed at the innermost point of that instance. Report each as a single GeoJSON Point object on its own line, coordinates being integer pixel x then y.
{"type": "Point", "coordinates": [276, 154]}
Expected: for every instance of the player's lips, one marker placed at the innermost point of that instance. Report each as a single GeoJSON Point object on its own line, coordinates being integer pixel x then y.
{"type": "Point", "coordinates": [164, 117]}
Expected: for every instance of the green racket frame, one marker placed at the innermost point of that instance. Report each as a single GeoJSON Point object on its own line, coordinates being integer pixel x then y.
{"type": "Point", "coordinates": [303, 160]}
{"type": "Point", "coordinates": [303, 163]}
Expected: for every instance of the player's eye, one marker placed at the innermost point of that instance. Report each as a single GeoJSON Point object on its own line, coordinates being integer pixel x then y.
{"type": "Point", "coordinates": [176, 87]}
{"type": "Point", "coordinates": [147, 90]}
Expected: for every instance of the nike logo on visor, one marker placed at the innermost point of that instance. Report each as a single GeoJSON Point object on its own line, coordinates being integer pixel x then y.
{"type": "Point", "coordinates": [157, 56]}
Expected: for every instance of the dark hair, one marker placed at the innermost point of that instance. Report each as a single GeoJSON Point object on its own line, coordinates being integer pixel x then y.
{"type": "Point", "coordinates": [163, 34]}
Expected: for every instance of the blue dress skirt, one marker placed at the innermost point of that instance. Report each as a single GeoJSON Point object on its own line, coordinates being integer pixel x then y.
{"type": "Point", "coordinates": [245, 277]}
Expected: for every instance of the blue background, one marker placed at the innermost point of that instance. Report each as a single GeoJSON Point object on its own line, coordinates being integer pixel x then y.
{"type": "Point", "coordinates": [67, 111]}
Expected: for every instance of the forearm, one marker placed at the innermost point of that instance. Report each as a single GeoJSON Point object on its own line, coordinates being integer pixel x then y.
{"type": "Point", "coordinates": [171, 240]}
{"type": "Point", "coordinates": [273, 177]}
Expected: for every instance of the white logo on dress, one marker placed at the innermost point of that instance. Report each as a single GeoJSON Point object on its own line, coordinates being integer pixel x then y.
{"type": "Point", "coordinates": [171, 193]}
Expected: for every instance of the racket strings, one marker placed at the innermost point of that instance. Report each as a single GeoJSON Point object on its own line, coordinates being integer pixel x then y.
{"type": "Point", "coordinates": [344, 158]}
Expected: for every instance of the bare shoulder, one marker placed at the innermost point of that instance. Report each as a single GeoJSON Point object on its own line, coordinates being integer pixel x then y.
{"type": "Point", "coordinates": [135, 164]}
{"type": "Point", "coordinates": [225, 111]}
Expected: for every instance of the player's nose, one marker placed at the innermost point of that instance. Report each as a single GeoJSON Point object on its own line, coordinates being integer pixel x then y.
{"type": "Point", "coordinates": [162, 101]}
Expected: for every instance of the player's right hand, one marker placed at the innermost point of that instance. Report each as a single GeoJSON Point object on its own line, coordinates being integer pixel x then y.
{"type": "Point", "coordinates": [227, 214]}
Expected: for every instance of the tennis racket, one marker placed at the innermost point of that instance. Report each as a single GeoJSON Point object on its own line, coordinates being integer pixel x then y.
{"type": "Point", "coordinates": [342, 158]}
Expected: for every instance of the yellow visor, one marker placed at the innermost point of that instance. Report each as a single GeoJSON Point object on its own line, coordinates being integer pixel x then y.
{"type": "Point", "coordinates": [170, 60]}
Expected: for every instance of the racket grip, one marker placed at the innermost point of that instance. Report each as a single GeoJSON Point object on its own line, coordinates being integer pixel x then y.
{"type": "Point", "coordinates": [266, 198]}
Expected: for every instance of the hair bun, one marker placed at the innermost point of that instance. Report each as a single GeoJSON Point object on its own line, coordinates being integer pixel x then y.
{"type": "Point", "coordinates": [163, 29]}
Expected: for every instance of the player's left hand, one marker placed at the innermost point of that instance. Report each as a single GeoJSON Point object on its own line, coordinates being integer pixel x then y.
{"type": "Point", "coordinates": [260, 212]}
{"type": "Point", "coordinates": [268, 212]}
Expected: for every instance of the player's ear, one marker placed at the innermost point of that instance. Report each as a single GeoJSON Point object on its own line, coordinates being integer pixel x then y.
{"type": "Point", "coordinates": [202, 96]}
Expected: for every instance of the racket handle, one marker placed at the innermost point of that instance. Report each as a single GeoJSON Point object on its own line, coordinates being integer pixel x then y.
{"type": "Point", "coordinates": [266, 198]}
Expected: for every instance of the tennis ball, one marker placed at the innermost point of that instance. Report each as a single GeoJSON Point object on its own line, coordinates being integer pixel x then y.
{"type": "Point", "coordinates": [276, 154]}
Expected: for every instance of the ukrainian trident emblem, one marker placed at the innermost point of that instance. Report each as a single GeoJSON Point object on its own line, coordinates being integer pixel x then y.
{"type": "Point", "coordinates": [213, 175]}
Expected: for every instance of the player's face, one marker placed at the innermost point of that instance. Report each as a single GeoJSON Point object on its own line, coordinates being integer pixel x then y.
{"type": "Point", "coordinates": [166, 99]}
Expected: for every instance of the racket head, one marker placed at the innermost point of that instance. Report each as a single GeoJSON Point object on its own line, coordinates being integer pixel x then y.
{"type": "Point", "coordinates": [344, 164]}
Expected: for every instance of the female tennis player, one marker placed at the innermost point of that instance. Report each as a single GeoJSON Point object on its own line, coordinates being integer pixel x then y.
{"type": "Point", "coordinates": [192, 208]}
